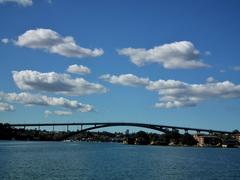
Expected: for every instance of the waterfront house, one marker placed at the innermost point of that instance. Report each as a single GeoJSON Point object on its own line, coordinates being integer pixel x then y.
{"type": "Point", "coordinates": [207, 140]}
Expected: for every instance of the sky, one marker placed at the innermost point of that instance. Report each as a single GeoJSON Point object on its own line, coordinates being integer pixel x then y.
{"type": "Point", "coordinates": [160, 62]}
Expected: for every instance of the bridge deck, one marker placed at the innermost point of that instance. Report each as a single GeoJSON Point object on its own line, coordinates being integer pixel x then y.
{"type": "Point", "coordinates": [119, 124]}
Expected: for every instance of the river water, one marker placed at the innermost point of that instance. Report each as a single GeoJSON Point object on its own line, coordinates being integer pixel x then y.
{"type": "Point", "coordinates": [23, 160]}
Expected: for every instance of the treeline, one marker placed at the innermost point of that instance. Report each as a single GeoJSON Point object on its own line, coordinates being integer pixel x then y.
{"type": "Point", "coordinates": [141, 137]}
{"type": "Point", "coordinates": [168, 138]}
{"type": "Point", "coordinates": [9, 133]}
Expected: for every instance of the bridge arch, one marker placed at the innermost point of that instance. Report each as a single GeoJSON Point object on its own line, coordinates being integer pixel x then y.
{"type": "Point", "coordinates": [147, 126]}
{"type": "Point", "coordinates": [97, 125]}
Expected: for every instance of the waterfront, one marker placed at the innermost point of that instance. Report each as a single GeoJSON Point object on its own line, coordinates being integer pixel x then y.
{"type": "Point", "coordinates": [101, 161]}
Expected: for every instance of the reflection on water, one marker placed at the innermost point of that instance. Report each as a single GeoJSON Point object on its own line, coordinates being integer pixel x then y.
{"type": "Point", "coordinates": [102, 161]}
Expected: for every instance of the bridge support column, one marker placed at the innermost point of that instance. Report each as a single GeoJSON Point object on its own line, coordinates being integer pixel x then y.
{"type": "Point", "coordinates": [67, 128]}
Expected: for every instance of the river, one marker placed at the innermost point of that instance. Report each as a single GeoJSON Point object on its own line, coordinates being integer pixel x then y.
{"type": "Point", "coordinates": [26, 160]}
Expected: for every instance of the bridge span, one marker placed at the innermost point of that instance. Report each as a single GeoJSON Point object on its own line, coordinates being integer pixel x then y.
{"type": "Point", "coordinates": [96, 125]}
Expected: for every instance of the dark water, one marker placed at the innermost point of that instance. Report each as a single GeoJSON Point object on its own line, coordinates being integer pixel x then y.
{"type": "Point", "coordinates": [103, 161]}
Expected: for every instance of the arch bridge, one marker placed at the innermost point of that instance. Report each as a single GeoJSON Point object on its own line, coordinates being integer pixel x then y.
{"type": "Point", "coordinates": [96, 125]}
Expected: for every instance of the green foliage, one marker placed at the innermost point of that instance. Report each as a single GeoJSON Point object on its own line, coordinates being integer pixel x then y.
{"type": "Point", "coordinates": [187, 139]}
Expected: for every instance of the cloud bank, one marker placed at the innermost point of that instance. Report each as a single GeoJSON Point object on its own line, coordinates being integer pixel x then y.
{"type": "Point", "coordinates": [23, 3]}
{"type": "Point", "coordinates": [54, 82]}
{"type": "Point", "coordinates": [177, 55]}
{"type": "Point", "coordinates": [31, 99]}
{"type": "Point", "coordinates": [176, 94]}
{"type": "Point", "coordinates": [53, 42]}
{"type": "Point", "coordinates": [6, 107]}
{"type": "Point", "coordinates": [180, 94]}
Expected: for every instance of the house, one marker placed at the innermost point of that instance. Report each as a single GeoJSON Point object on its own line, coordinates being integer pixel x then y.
{"type": "Point", "coordinates": [207, 140]}
{"type": "Point", "coordinates": [237, 137]}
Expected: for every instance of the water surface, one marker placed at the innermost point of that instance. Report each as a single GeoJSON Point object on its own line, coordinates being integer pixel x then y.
{"type": "Point", "coordinates": [24, 160]}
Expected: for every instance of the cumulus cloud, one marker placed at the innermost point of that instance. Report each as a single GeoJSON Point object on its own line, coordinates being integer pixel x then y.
{"type": "Point", "coordinates": [180, 94]}
{"type": "Point", "coordinates": [24, 3]}
{"type": "Point", "coordinates": [54, 82]}
{"type": "Point", "coordinates": [32, 99]}
{"type": "Point", "coordinates": [78, 69]}
{"type": "Point", "coordinates": [125, 80]}
{"type": "Point", "coordinates": [6, 107]}
{"type": "Point", "coordinates": [177, 55]}
{"type": "Point", "coordinates": [5, 40]}
{"type": "Point", "coordinates": [210, 79]}
{"type": "Point", "coordinates": [58, 113]}
{"type": "Point", "coordinates": [53, 42]}
{"type": "Point", "coordinates": [177, 94]}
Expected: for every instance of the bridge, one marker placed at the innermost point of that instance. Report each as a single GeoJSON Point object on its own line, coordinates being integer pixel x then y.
{"type": "Point", "coordinates": [96, 125]}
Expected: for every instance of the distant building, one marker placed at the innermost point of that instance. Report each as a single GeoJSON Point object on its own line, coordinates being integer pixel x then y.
{"type": "Point", "coordinates": [127, 132]}
{"type": "Point", "coordinates": [237, 137]}
{"type": "Point", "coordinates": [207, 140]}
{"type": "Point", "coordinates": [230, 143]}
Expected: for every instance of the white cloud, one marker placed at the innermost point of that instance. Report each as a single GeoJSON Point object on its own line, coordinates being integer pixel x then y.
{"type": "Point", "coordinates": [166, 84]}
{"type": "Point", "coordinates": [169, 102]}
{"type": "Point", "coordinates": [6, 107]}
{"type": "Point", "coordinates": [24, 3]}
{"type": "Point", "coordinates": [181, 94]}
{"type": "Point", "coordinates": [54, 82]}
{"type": "Point", "coordinates": [177, 94]}
{"type": "Point", "coordinates": [5, 40]}
{"type": "Point", "coordinates": [78, 69]}
{"type": "Point", "coordinates": [177, 55]}
{"type": "Point", "coordinates": [58, 113]}
{"type": "Point", "coordinates": [125, 79]}
{"type": "Point", "coordinates": [236, 68]}
{"type": "Point", "coordinates": [210, 79]}
{"type": "Point", "coordinates": [53, 42]}
{"type": "Point", "coordinates": [31, 99]}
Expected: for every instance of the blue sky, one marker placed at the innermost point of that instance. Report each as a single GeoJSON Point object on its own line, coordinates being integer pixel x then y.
{"type": "Point", "coordinates": [162, 62]}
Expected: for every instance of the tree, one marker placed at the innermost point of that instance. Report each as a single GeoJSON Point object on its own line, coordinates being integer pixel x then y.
{"type": "Point", "coordinates": [142, 138]}
{"type": "Point", "coordinates": [173, 136]}
{"type": "Point", "coordinates": [235, 131]}
{"type": "Point", "coordinates": [188, 139]}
